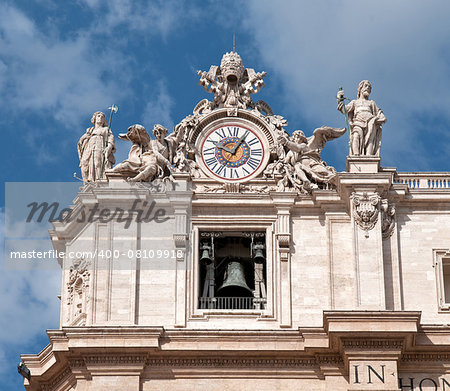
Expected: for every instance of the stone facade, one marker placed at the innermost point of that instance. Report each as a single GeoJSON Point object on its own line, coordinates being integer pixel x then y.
{"type": "Point", "coordinates": [351, 295]}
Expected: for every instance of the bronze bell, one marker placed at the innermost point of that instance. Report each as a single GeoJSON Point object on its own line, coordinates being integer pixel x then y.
{"type": "Point", "coordinates": [258, 248]}
{"type": "Point", "coordinates": [206, 251]}
{"type": "Point", "coordinates": [234, 284]}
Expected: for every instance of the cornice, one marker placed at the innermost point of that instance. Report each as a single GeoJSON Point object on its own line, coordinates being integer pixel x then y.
{"type": "Point", "coordinates": [63, 376]}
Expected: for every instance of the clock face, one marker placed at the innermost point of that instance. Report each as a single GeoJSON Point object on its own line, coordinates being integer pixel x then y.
{"type": "Point", "coordinates": [232, 152]}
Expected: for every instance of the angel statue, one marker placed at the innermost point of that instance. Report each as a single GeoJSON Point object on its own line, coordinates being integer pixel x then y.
{"type": "Point", "coordinates": [149, 159]}
{"type": "Point", "coordinates": [302, 164]}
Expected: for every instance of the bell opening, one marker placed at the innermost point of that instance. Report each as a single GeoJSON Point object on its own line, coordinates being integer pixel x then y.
{"type": "Point", "coordinates": [232, 269]}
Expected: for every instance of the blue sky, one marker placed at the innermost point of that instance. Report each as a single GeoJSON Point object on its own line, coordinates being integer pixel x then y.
{"type": "Point", "coordinates": [61, 61]}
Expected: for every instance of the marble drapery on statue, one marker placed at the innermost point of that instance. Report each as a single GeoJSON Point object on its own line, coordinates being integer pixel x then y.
{"type": "Point", "coordinates": [365, 120]}
{"type": "Point", "coordinates": [149, 159]}
{"type": "Point", "coordinates": [96, 149]}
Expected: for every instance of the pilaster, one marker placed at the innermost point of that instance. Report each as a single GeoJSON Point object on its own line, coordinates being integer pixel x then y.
{"type": "Point", "coordinates": [363, 193]}
{"type": "Point", "coordinates": [181, 201]}
{"type": "Point", "coordinates": [283, 203]}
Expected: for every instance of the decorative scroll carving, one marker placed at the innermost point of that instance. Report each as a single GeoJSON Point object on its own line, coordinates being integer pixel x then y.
{"type": "Point", "coordinates": [180, 240]}
{"type": "Point", "coordinates": [78, 292]}
{"type": "Point", "coordinates": [284, 240]}
{"type": "Point", "coordinates": [365, 207]}
{"type": "Point", "coordinates": [388, 219]}
{"type": "Point", "coordinates": [235, 188]}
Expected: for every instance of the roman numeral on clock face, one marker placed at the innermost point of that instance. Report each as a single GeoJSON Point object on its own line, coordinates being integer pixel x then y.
{"type": "Point", "coordinates": [212, 163]}
{"type": "Point", "coordinates": [234, 174]}
{"type": "Point", "coordinates": [211, 160]}
{"type": "Point", "coordinates": [209, 151]}
{"type": "Point", "coordinates": [233, 131]}
{"type": "Point", "coordinates": [221, 171]}
{"type": "Point", "coordinates": [253, 141]}
{"type": "Point", "coordinates": [221, 132]}
{"type": "Point", "coordinates": [253, 163]}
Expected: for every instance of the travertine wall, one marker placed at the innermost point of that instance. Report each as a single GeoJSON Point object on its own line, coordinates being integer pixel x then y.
{"type": "Point", "coordinates": [331, 263]}
{"type": "Point", "coordinates": [419, 233]}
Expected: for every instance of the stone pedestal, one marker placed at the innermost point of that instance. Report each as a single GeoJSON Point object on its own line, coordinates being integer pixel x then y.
{"type": "Point", "coordinates": [363, 164]}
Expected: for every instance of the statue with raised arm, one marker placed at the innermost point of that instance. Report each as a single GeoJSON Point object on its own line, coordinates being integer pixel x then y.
{"type": "Point", "coordinates": [365, 120]}
{"type": "Point", "coordinates": [303, 166]}
{"type": "Point", "coordinates": [96, 149]}
{"type": "Point", "coordinates": [149, 159]}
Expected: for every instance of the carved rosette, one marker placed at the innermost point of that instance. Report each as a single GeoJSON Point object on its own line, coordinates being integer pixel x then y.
{"type": "Point", "coordinates": [78, 292]}
{"type": "Point", "coordinates": [388, 219]}
{"type": "Point", "coordinates": [365, 209]}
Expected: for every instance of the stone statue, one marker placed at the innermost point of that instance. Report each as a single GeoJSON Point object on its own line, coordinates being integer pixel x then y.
{"type": "Point", "coordinates": [231, 84]}
{"type": "Point", "coordinates": [138, 135]}
{"type": "Point", "coordinates": [303, 166]}
{"type": "Point", "coordinates": [365, 120]}
{"type": "Point", "coordinates": [149, 159]}
{"type": "Point", "coordinates": [96, 149]}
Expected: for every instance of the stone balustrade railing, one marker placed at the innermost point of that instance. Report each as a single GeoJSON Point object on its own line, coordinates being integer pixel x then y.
{"type": "Point", "coordinates": [424, 180]}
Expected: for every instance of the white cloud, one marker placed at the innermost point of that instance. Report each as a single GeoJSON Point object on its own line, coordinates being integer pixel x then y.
{"type": "Point", "coordinates": [60, 76]}
{"type": "Point", "coordinates": [158, 108]}
{"type": "Point", "coordinates": [315, 47]}
{"type": "Point", "coordinates": [158, 17]}
{"type": "Point", "coordinates": [28, 304]}
{"type": "Point", "coordinates": [65, 78]}
{"type": "Point", "coordinates": [92, 3]}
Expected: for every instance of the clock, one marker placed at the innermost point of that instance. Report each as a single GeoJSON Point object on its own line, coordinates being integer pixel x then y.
{"type": "Point", "coordinates": [232, 152]}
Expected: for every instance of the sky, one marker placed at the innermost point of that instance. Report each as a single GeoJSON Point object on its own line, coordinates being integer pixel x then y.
{"type": "Point", "coordinates": [62, 61]}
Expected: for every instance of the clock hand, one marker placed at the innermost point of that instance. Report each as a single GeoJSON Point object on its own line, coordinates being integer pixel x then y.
{"type": "Point", "coordinates": [224, 148]}
{"type": "Point", "coordinates": [221, 146]}
{"type": "Point", "coordinates": [239, 142]}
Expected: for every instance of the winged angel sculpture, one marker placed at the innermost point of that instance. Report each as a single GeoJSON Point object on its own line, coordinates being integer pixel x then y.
{"type": "Point", "coordinates": [302, 167]}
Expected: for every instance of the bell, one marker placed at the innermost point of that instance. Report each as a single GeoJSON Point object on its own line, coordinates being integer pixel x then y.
{"type": "Point", "coordinates": [234, 284]}
{"type": "Point", "coordinates": [258, 248]}
{"type": "Point", "coordinates": [206, 250]}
